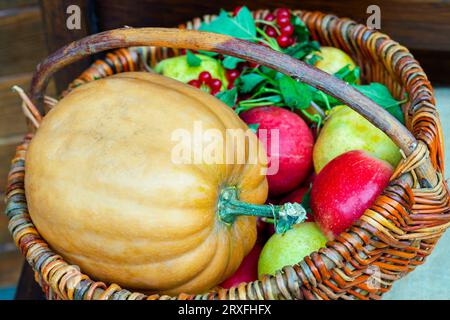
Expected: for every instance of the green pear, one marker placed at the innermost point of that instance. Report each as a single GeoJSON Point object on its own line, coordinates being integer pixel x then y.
{"type": "Point", "coordinates": [286, 249]}
{"type": "Point", "coordinates": [346, 130]}
{"type": "Point", "coordinates": [333, 59]}
{"type": "Point", "coordinates": [179, 69]}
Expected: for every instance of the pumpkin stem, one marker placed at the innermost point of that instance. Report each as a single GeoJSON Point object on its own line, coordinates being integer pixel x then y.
{"type": "Point", "coordinates": [285, 216]}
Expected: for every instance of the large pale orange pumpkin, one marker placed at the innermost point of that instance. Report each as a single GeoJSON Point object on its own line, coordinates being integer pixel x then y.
{"type": "Point", "coordinates": [103, 190]}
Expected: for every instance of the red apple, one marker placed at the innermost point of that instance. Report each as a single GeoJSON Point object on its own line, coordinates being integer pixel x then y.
{"type": "Point", "coordinates": [295, 145]}
{"type": "Point", "coordinates": [247, 271]}
{"type": "Point", "coordinates": [297, 196]}
{"type": "Point", "coordinates": [309, 179]}
{"type": "Point", "coordinates": [345, 188]}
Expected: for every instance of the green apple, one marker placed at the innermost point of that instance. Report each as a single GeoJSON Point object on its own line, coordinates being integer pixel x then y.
{"type": "Point", "coordinates": [179, 69]}
{"type": "Point", "coordinates": [333, 59]}
{"type": "Point", "coordinates": [347, 130]}
{"type": "Point", "coordinates": [290, 247]}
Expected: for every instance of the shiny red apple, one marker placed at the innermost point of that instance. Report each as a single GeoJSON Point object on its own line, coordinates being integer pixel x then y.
{"type": "Point", "coordinates": [290, 146]}
{"type": "Point", "coordinates": [345, 188]}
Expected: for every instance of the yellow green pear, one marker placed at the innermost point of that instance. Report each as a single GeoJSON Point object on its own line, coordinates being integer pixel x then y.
{"type": "Point", "coordinates": [346, 130]}
{"type": "Point", "coordinates": [289, 248]}
{"type": "Point", "coordinates": [179, 69]}
{"type": "Point", "coordinates": [333, 59]}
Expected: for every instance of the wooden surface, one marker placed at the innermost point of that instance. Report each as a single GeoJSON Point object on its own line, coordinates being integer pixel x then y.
{"type": "Point", "coordinates": [58, 35]}
{"type": "Point", "coordinates": [416, 24]}
{"type": "Point", "coordinates": [22, 46]}
{"type": "Point", "coordinates": [422, 26]}
{"type": "Point", "coordinates": [22, 43]}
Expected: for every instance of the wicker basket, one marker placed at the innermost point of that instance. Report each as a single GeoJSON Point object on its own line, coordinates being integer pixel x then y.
{"type": "Point", "coordinates": [394, 236]}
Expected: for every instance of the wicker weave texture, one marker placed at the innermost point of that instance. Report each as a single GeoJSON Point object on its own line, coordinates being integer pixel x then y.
{"type": "Point", "coordinates": [394, 236]}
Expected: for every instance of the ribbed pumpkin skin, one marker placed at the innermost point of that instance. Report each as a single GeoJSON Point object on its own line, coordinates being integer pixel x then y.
{"type": "Point", "coordinates": [103, 191]}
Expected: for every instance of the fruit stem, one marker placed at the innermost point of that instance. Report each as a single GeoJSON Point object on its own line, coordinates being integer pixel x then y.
{"type": "Point", "coordinates": [285, 216]}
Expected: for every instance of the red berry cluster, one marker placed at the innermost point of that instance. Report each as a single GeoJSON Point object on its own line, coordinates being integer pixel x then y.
{"type": "Point", "coordinates": [286, 29]}
{"type": "Point", "coordinates": [205, 78]}
{"type": "Point", "coordinates": [231, 75]}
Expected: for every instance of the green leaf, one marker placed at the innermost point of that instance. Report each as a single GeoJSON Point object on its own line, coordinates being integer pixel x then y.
{"type": "Point", "coordinates": [228, 97]}
{"type": "Point", "coordinates": [252, 103]}
{"type": "Point", "coordinates": [192, 59]}
{"type": "Point", "coordinates": [300, 29]}
{"type": "Point", "coordinates": [231, 62]}
{"type": "Point", "coordinates": [348, 74]}
{"type": "Point", "coordinates": [254, 127]}
{"type": "Point", "coordinates": [242, 26]}
{"type": "Point", "coordinates": [312, 59]}
{"type": "Point", "coordinates": [322, 99]}
{"type": "Point", "coordinates": [245, 19]}
{"type": "Point", "coordinates": [306, 200]}
{"type": "Point", "coordinates": [208, 53]}
{"type": "Point", "coordinates": [296, 95]}
{"type": "Point", "coordinates": [381, 95]}
{"type": "Point", "coordinates": [248, 82]}
{"type": "Point", "coordinates": [301, 50]}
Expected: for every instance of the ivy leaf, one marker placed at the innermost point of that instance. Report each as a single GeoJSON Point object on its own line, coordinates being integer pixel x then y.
{"type": "Point", "coordinates": [254, 127]}
{"type": "Point", "coordinates": [242, 26]}
{"type": "Point", "coordinates": [228, 97]}
{"type": "Point", "coordinates": [248, 82]}
{"type": "Point", "coordinates": [231, 62]}
{"type": "Point", "coordinates": [192, 59]}
{"type": "Point", "coordinates": [381, 95]}
{"type": "Point", "coordinates": [296, 95]}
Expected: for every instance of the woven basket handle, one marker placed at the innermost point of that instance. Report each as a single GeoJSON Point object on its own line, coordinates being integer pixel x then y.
{"type": "Point", "coordinates": [197, 40]}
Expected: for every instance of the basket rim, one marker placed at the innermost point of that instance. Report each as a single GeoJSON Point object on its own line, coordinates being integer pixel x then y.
{"type": "Point", "coordinates": [22, 228]}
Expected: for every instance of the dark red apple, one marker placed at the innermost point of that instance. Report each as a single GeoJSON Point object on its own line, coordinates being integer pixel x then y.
{"type": "Point", "coordinates": [309, 179]}
{"type": "Point", "coordinates": [247, 271]}
{"type": "Point", "coordinates": [295, 145]}
{"type": "Point", "coordinates": [345, 188]}
{"type": "Point", "coordinates": [297, 196]}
